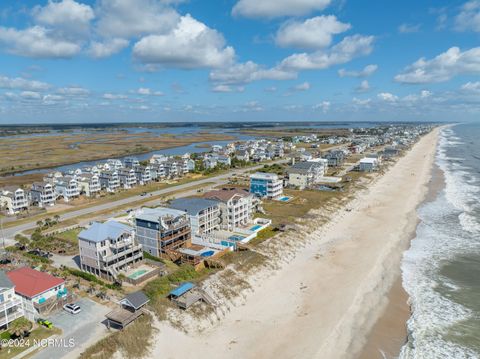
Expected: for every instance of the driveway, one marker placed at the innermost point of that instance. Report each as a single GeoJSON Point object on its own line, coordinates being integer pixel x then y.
{"type": "Point", "coordinates": [84, 329]}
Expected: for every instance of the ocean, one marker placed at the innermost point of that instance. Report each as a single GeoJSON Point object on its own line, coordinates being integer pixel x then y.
{"type": "Point", "coordinates": [441, 270]}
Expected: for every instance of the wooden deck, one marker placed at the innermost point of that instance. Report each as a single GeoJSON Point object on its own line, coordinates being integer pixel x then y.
{"type": "Point", "coordinates": [122, 317]}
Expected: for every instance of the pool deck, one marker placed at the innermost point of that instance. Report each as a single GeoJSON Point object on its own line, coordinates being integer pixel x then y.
{"type": "Point", "coordinates": [131, 271]}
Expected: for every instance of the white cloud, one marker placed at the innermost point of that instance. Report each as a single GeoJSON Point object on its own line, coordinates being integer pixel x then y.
{"type": "Point", "coordinates": [111, 96]}
{"type": "Point", "coordinates": [130, 18]}
{"type": "Point", "coordinates": [413, 98]}
{"type": "Point", "coordinates": [191, 44]}
{"type": "Point", "coordinates": [324, 106]}
{"type": "Point", "coordinates": [363, 87]}
{"type": "Point", "coordinates": [346, 50]}
{"type": "Point", "coordinates": [52, 99]}
{"type": "Point", "coordinates": [66, 15]}
{"type": "Point", "coordinates": [365, 72]}
{"type": "Point", "coordinates": [313, 33]}
{"type": "Point", "coordinates": [73, 91]}
{"type": "Point", "coordinates": [19, 83]}
{"type": "Point", "coordinates": [471, 86]}
{"type": "Point", "coordinates": [276, 8]}
{"type": "Point", "coordinates": [248, 72]}
{"type": "Point", "coordinates": [30, 95]}
{"type": "Point", "coordinates": [271, 89]}
{"type": "Point", "coordinates": [361, 102]}
{"type": "Point", "coordinates": [409, 28]}
{"type": "Point", "coordinates": [148, 92]}
{"type": "Point", "coordinates": [227, 88]}
{"type": "Point", "coordinates": [387, 97]}
{"type": "Point", "coordinates": [469, 17]}
{"type": "Point", "coordinates": [107, 48]}
{"type": "Point", "coordinates": [443, 67]}
{"type": "Point", "coordinates": [253, 106]}
{"type": "Point", "coordinates": [37, 42]}
{"type": "Point", "coordinates": [302, 87]}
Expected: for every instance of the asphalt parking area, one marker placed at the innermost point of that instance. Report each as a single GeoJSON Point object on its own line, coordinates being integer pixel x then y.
{"type": "Point", "coordinates": [78, 331]}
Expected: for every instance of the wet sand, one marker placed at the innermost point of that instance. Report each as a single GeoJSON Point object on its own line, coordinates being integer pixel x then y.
{"type": "Point", "coordinates": [389, 333]}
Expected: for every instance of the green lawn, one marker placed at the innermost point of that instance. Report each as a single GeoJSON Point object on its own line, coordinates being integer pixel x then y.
{"type": "Point", "coordinates": [70, 235]}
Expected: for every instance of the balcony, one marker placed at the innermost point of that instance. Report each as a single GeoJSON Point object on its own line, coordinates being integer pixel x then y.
{"type": "Point", "coordinates": [10, 303]}
{"type": "Point", "coordinates": [10, 317]}
{"type": "Point", "coordinates": [129, 250]}
{"type": "Point", "coordinates": [119, 263]}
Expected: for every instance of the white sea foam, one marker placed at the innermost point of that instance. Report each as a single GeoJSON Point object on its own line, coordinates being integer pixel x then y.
{"type": "Point", "coordinates": [447, 228]}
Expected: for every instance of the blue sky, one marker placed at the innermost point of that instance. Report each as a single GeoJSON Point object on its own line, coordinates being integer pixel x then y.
{"type": "Point", "coordinates": [238, 60]}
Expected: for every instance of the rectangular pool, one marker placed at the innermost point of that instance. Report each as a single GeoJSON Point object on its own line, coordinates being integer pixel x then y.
{"type": "Point", "coordinates": [236, 237]}
{"type": "Point", "coordinates": [255, 227]}
{"type": "Point", "coordinates": [137, 274]}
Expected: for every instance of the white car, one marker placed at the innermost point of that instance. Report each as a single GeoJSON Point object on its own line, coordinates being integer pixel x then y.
{"type": "Point", "coordinates": [72, 308]}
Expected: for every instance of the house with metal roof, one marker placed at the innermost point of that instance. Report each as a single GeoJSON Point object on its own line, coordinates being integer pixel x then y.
{"type": "Point", "coordinates": [107, 248]}
{"type": "Point", "coordinates": [266, 185]}
{"type": "Point", "coordinates": [161, 231]}
{"type": "Point", "coordinates": [187, 294]}
{"type": "Point", "coordinates": [40, 292]}
{"type": "Point", "coordinates": [204, 214]}
{"type": "Point", "coordinates": [306, 174]}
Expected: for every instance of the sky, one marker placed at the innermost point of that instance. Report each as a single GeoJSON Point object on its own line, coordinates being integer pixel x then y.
{"type": "Point", "coordinates": [79, 61]}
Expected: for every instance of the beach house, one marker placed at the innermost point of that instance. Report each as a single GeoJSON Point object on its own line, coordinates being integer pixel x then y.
{"type": "Point", "coordinates": [127, 178]}
{"type": "Point", "coordinates": [236, 207]}
{"type": "Point", "coordinates": [131, 162]}
{"type": "Point", "coordinates": [142, 173]}
{"type": "Point", "coordinates": [335, 158]}
{"type": "Point", "coordinates": [89, 184]}
{"type": "Point", "coordinates": [40, 292]}
{"type": "Point", "coordinates": [204, 214]}
{"type": "Point", "coordinates": [13, 200]}
{"type": "Point", "coordinates": [107, 248]}
{"type": "Point", "coordinates": [67, 187]}
{"type": "Point", "coordinates": [162, 231]}
{"type": "Point", "coordinates": [113, 164]}
{"type": "Point", "coordinates": [306, 174]}
{"type": "Point", "coordinates": [11, 306]}
{"type": "Point", "coordinates": [42, 194]}
{"type": "Point", "coordinates": [368, 164]}
{"type": "Point", "coordinates": [188, 165]}
{"type": "Point", "coordinates": [266, 185]}
{"type": "Point", "coordinates": [109, 180]}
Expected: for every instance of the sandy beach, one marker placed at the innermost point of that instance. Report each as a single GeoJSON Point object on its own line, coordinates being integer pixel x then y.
{"type": "Point", "coordinates": [323, 300]}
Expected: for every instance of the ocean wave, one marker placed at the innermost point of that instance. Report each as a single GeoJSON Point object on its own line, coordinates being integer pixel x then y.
{"type": "Point", "coordinates": [448, 228]}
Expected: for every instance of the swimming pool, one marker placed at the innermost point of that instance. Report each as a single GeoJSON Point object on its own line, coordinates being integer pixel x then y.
{"type": "Point", "coordinates": [284, 199]}
{"type": "Point", "coordinates": [137, 274]}
{"type": "Point", "coordinates": [255, 227]}
{"type": "Point", "coordinates": [236, 237]}
{"type": "Point", "coordinates": [207, 254]}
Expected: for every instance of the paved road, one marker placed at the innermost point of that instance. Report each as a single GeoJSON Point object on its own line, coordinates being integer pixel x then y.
{"type": "Point", "coordinates": [9, 233]}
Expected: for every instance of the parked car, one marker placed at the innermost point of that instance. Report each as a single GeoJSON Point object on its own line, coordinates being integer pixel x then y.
{"type": "Point", "coordinates": [46, 323]}
{"type": "Point", "coordinates": [72, 308]}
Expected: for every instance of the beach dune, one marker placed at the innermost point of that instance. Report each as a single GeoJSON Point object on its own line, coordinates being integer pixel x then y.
{"type": "Point", "coordinates": [324, 303]}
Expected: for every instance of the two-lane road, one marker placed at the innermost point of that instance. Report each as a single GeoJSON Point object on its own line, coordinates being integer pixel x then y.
{"type": "Point", "coordinates": [9, 233]}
